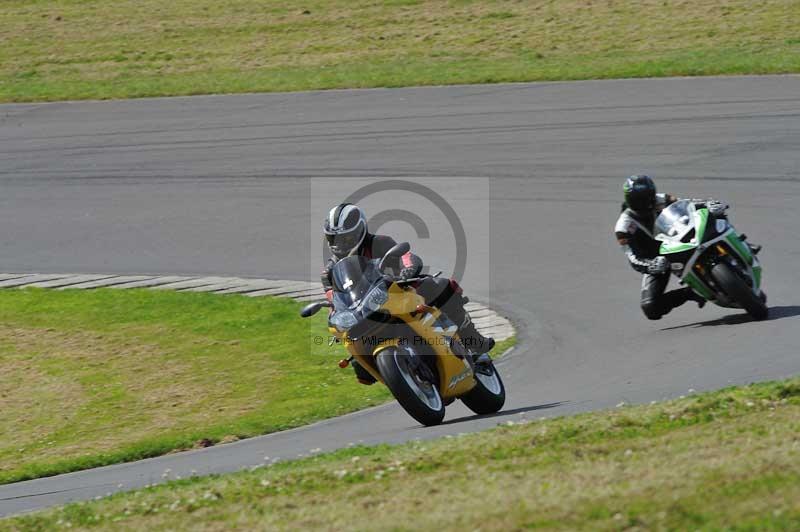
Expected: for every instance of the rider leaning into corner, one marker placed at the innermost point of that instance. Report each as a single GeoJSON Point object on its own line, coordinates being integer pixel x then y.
{"type": "Point", "coordinates": [346, 233]}
{"type": "Point", "coordinates": [634, 232]}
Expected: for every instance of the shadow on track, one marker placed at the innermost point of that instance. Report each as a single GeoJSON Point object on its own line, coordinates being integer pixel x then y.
{"type": "Point", "coordinates": [775, 313]}
{"type": "Point", "coordinates": [511, 412]}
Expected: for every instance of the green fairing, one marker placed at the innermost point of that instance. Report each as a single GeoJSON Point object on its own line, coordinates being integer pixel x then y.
{"type": "Point", "coordinates": [741, 248]}
{"type": "Point", "coordinates": [702, 221]}
{"type": "Point", "coordinates": [667, 249]}
{"type": "Point", "coordinates": [698, 286]}
{"type": "Point", "coordinates": [757, 276]}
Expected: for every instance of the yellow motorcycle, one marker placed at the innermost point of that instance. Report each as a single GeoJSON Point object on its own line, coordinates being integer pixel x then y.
{"type": "Point", "coordinates": [412, 348]}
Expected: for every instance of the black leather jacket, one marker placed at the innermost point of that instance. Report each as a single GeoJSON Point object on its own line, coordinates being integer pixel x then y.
{"type": "Point", "coordinates": [635, 234]}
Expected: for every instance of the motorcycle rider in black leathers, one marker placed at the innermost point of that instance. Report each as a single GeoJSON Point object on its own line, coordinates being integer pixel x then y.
{"type": "Point", "coordinates": [634, 232]}
{"type": "Point", "coordinates": [346, 233]}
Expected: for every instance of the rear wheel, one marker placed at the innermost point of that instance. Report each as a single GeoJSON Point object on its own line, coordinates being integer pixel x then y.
{"type": "Point", "coordinates": [412, 383]}
{"type": "Point", "coordinates": [489, 394]}
{"type": "Point", "coordinates": [737, 289]}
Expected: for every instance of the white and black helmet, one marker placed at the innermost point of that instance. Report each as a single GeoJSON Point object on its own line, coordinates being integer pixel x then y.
{"type": "Point", "coordinates": [345, 229]}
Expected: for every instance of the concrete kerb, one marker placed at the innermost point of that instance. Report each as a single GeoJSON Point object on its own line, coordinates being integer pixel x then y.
{"type": "Point", "coordinates": [486, 320]}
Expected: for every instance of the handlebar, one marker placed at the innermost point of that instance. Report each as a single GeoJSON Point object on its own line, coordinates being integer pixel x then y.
{"type": "Point", "coordinates": [404, 282]}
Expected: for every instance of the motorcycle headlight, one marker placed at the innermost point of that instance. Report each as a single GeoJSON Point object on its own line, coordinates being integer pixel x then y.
{"type": "Point", "coordinates": [343, 320]}
{"type": "Point", "coordinates": [376, 298]}
{"type": "Point", "coordinates": [722, 225]}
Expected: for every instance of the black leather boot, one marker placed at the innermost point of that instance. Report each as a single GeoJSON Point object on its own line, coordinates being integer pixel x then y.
{"type": "Point", "coordinates": [692, 296]}
{"type": "Point", "coordinates": [473, 341]}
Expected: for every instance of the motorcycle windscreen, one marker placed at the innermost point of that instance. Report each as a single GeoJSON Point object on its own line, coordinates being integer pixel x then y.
{"type": "Point", "coordinates": [675, 221]}
{"type": "Point", "coordinates": [352, 279]}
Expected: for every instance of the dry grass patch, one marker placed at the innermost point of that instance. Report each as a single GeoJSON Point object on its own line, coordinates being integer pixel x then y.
{"type": "Point", "coordinates": [105, 389]}
{"type": "Point", "coordinates": [724, 460]}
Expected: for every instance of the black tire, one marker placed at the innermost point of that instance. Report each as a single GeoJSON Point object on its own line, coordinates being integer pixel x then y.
{"type": "Point", "coordinates": [737, 289]}
{"type": "Point", "coordinates": [394, 364]}
{"type": "Point", "coordinates": [489, 394]}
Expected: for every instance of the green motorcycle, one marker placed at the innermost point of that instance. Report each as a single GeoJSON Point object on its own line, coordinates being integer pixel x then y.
{"type": "Point", "coordinates": [707, 254]}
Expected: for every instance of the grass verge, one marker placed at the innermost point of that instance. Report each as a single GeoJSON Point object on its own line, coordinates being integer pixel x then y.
{"type": "Point", "coordinates": [723, 460]}
{"type": "Point", "coordinates": [135, 48]}
{"type": "Point", "coordinates": [90, 378]}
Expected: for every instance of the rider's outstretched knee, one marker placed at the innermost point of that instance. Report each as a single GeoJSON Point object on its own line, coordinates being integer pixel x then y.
{"type": "Point", "coordinates": [652, 309]}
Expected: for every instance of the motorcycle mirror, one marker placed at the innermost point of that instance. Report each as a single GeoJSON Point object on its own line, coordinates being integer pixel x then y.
{"type": "Point", "coordinates": [313, 308]}
{"type": "Point", "coordinates": [398, 250]}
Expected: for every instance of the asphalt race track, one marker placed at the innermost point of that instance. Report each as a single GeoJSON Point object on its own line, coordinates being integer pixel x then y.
{"type": "Point", "coordinates": [220, 186]}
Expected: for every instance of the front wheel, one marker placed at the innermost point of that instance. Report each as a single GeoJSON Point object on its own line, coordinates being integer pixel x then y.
{"type": "Point", "coordinates": [489, 394]}
{"type": "Point", "coordinates": [412, 383]}
{"type": "Point", "coordinates": [737, 289]}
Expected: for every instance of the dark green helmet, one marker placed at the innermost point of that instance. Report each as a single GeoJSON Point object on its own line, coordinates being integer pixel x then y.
{"type": "Point", "coordinates": [640, 193]}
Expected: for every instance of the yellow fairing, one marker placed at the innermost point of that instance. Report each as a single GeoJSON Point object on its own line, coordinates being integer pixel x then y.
{"type": "Point", "coordinates": [402, 301]}
{"type": "Point", "coordinates": [459, 376]}
{"type": "Point", "coordinates": [456, 377]}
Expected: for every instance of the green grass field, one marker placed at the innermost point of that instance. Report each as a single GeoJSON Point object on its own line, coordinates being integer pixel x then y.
{"type": "Point", "coordinates": [89, 378]}
{"type": "Point", "coordinates": [96, 377]}
{"type": "Point", "coordinates": [727, 460]}
{"type": "Point", "coordinates": [70, 49]}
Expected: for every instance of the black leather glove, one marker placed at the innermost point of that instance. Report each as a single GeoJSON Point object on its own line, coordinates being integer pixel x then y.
{"type": "Point", "coordinates": [658, 266]}
{"type": "Point", "coordinates": [409, 273]}
{"type": "Point", "coordinates": [716, 207]}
